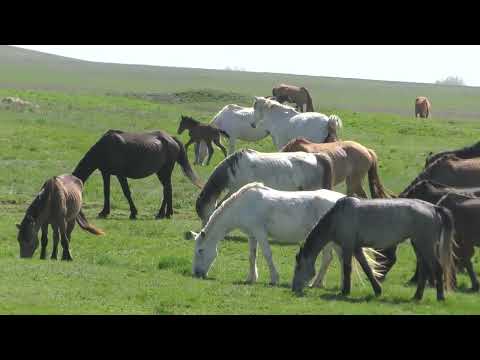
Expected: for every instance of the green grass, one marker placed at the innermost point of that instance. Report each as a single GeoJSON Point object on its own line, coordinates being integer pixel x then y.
{"type": "Point", "coordinates": [144, 266]}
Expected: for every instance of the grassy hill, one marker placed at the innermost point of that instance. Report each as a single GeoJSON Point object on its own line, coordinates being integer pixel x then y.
{"type": "Point", "coordinates": [144, 266]}
{"type": "Point", "coordinates": [28, 69]}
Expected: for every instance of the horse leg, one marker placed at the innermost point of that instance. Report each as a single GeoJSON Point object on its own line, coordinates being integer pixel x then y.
{"type": "Point", "coordinates": [473, 277]}
{"type": "Point", "coordinates": [43, 253]}
{"type": "Point", "coordinates": [437, 268]}
{"type": "Point", "coordinates": [347, 271]}
{"type": "Point", "coordinates": [422, 280]}
{"type": "Point", "coordinates": [106, 195]}
{"type": "Point", "coordinates": [267, 253]}
{"type": "Point", "coordinates": [56, 239]}
{"type": "Point", "coordinates": [357, 186]}
{"type": "Point", "coordinates": [126, 191]}
{"type": "Point", "coordinates": [210, 151]}
{"type": "Point", "coordinates": [360, 256]}
{"type": "Point", "coordinates": [165, 177]}
{"type": "Point", "coordinates": [65, 243]}
{"type": "Point", "coordinates": [253, 273]}
{"type": "Point", "coordinates": [197, 153]}
{"type": "Point", "coordinates": [326, 260]}
{"type": "Point", "coordinates": [219, 144]}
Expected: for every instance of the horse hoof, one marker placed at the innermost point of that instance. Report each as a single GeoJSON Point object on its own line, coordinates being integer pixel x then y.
{"type": "Point", "coordinates": [159, 216]}
{"type": "Point", "coordinates": [133, 217]}
{"type": "Point", "coordinates": [102, 215]}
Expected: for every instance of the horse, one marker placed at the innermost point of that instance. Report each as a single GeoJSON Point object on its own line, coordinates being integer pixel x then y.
{"type": "Point", "coordinates": [437, 194]}
{"type": "Point", "coordinates": [58, 204]}
{"type": "Point", "coordinates": [199, 132]}
{"type": "Point", "coordinates": [351, 162]}
{"type": "Point", "coordinates": [422, 107]}
{"type": "Point", "coordinates": [282, 171]}
{"type": "Point", "coordinates": [294, 94]}
{"type": "Point", "coordinates": [284, 123]}
{"type": "Point", "coordinates": [235, 121]}
{"type": "Point", "coordinates": [260, 211]}
{"type": "Point", "coordinates": [450, 170]}
{"type": "Point", "coordinates": [467, 152]}
{"type": "Point", "coordinates": [136, 156]}
{"type": "Point", "coordinates": [382, 223]}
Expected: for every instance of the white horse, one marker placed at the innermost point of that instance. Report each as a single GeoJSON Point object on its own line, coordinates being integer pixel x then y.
{"type": "Point", "coordinates": [236, 121]}
{"type": "Point", "coordinates": [295, 171]}
{"type": "Point", "coordinates": [259, 211]}
{"type": "Point", "coordinates": [284, 123]}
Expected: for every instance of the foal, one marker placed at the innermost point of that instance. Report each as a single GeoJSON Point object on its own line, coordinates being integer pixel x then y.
{"type": "Point", "coordinates": [59, 204]}
{"type": "Point", "coordinates": [202, 132]}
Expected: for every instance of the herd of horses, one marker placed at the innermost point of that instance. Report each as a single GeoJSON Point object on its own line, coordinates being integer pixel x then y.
{"type": "Point", "coordinates": [285, 195]}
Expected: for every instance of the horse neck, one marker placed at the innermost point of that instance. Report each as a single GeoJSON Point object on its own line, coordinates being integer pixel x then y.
{"type": "Point", "coordinates": [86, 166]}
{"type": "Point", "coordinates": [221, 222]}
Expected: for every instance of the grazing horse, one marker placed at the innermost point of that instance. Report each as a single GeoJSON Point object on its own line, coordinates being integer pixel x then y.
{"type": "Point", "coordinates": [284, 123]}
{"type": "Point", "coordinates": [235, 120]}
{"type": "Point", "coordinates": [467, 152]}
{"type": "Point", "coordinates": [136, 156]}
{"type": "Point", "coordinates": [259, 211]}
{"type": "Point", "coordinates": [450, 170]}
{"type": "Point", "coordinates": [422, 107]}
{"type": "Point", "coordinates": [294, 94]}
{"type": "Point", "coordinates": [351, 162]}
{"type": "Point", "coordinates": [199, 132]}
{"type": "Point", "coordinates": [281, 171]}
{"type": "Point", "coordinates": [451, 198]}
{"type": "Point", "coordinates": [382, 223]}
{"type": "Point", "coordinates": [58, 204]}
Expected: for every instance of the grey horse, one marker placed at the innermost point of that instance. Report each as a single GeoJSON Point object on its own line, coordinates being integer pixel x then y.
{"type": "Point", "coordinates": [382, 223]}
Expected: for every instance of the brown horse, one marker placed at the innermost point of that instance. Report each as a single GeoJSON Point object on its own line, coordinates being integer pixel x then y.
{"type": "Point", "coordinates": [450, 170]}
{"type": "Point", "coordinates": [422, 107]}
{"type": "Point", "coordinates": [298, 95]}
{"type": "Point", "coordinates": [467, 152]}
{"type": "Point", "coordinates": [58, 204]}
{"type": "Point", "coordinates": [351, 162]}
{"type": "Point", "coordinates": [202, 132]}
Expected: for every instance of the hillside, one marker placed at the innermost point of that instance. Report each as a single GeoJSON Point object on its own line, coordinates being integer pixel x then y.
{"type": "Point", "coordinates": [26, 69]}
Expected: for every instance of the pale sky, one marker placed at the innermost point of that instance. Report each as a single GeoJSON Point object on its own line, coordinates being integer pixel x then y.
{"type": "Point", "coordinates": [411, 63]}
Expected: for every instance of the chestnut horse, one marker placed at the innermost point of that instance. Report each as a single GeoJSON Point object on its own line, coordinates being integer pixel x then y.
{"type": "Point", "coordinates": [422, 107]}
{"type": "Point", "coordinates": [351, 162]}
{"type": "Point", "coordinates": [294, 94]}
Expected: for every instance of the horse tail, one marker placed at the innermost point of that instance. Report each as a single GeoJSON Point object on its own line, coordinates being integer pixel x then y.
{"type": "Point", "coordinates": [182, 159]}
{"type": "Point", "coordinates": [334, 124]}
{"type": "Point", "coordinates": [85, 225]}
{"type": "Point", "coordinates": [447, 242]}
{"type": "Point", "coordinates": [309, 100]}
{"type": "Point", "coordinates": [370, 254]}
{"type": "Point", "coordinates": [327, 166]}
{"type": "Point", "coordinates": [376, 188]}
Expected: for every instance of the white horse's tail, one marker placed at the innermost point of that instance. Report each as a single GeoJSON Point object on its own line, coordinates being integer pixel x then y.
{"type": "Point", "coordinates": [334, 124]}
{"type": "Point", "coordinates": [370, 255]}
{"type": "Point", "coordinates": [335, 121]}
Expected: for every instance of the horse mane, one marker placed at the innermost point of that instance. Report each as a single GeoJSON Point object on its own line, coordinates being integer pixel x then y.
{"type": "Point", "coordinates": [425, 172]}
{"type": "Point", "coordinates": [275, 104]}
{"type": "Point", "coordinates": [41, 200]}
{"type": "Point", "coordinates": [299, 140]}
{"type": "Point", "coordinates": [466, 152]}
{"type": "Point", "coordinates": [218, 180]}
{"type": "Point", "coordinates": [228, 202]}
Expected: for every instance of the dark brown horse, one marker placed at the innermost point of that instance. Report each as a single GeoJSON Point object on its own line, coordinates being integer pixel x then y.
{"type": "Point", "coordinates": [422, 107]}
{"type": "Point", "coordinates": [136, 156]}
{"type": "Point", "coordinates": [294, 94]}
{"type": "Point", "coordinates": [58, 204]}
{"type": "Point", "coordinates": [451, 198]}
{"type": "Point", "coordinates": [199, 132]}
{"type": "Point", "coordinates": [467, 152]}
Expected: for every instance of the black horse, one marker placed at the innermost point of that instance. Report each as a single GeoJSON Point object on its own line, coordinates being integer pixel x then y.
{"type": "Point", "coordinates": [136, 156]}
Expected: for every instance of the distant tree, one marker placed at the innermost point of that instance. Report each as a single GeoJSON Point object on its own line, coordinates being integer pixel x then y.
{"type": "Point", "coordinates": [451, 80]}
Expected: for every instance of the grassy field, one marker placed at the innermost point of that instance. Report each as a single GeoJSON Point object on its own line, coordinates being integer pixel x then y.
{"type": "Point", "coordinates": [144, 266]}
